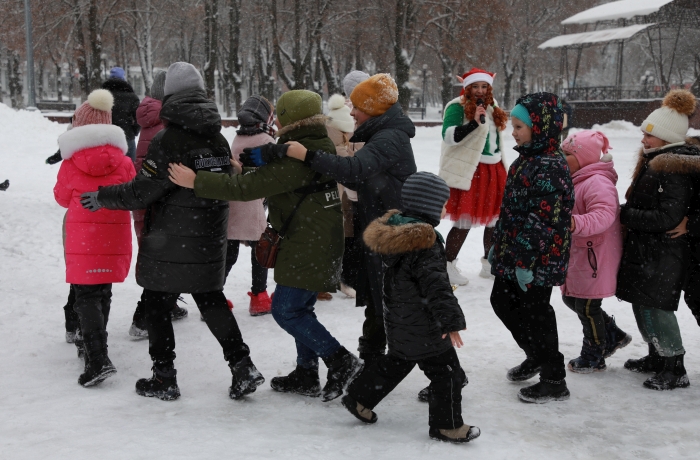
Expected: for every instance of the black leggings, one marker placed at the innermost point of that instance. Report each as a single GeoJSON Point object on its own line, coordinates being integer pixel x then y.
{"type": "Point", "coordinates": [215, 312]}
{"type": "Point", "coordinates": [446, 381]}
{"type": "Point", "coordinates": [259, 272]}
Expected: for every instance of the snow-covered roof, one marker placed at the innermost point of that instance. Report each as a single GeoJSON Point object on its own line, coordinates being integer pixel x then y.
{"type": "Point", "coordinates": [597, 36]}
{"type": "Point", "coordinates": [623, 9]}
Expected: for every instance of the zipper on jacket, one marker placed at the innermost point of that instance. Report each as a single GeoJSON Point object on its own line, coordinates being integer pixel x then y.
{"type": "Point", "coordinates": [592, 259]}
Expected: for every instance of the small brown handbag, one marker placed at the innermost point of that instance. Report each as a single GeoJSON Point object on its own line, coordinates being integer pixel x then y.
{"type": "Point", "coordinates": [269, 244]}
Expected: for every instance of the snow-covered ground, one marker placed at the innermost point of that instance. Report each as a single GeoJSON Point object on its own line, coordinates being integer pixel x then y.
{"type": "Point", "coordinates": [44, 413]}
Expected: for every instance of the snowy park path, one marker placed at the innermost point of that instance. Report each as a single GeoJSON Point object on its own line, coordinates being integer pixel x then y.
{"type": "Point", "coordinates": [44, 413]}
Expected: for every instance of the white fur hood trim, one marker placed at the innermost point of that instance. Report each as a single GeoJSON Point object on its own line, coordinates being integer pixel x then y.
{"type": "Point", "coordinates": [85, 137]}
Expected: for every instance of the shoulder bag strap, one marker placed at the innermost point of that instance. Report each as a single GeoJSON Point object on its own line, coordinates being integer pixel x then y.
{"type": "Point", "coordinates": [283, 230]}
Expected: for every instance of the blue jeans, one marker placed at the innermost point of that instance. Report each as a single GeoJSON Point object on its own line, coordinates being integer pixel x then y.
{"type": "Point", "coordinates": [293, 309]}
{"type": "Point", "coordinates": [131, 152]}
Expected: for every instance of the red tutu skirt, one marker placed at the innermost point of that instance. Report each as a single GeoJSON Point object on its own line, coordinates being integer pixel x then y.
{"type": "Point", "coordinates": [481, 204]}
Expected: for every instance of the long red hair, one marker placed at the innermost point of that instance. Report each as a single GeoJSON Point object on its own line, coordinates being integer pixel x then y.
{"type": "Point", "coordinates": [499, 116]}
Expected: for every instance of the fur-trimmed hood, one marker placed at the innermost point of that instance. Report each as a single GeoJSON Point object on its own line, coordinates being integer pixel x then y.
{"type": "Point", "coordinates": [84, 137]}
{"type": "Point", "coordinates": [386, 239]}
{"type": "Point", "coordinates": [316, 120]}
{"type": "Point", "coordinates": [678, 159]}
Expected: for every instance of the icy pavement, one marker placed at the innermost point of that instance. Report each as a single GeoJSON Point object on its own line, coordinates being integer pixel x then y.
{"type": "Point", "coordinates": [44, 413]}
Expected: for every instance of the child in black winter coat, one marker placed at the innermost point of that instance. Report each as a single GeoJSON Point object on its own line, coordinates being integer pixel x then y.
{"type": "Point", "coordinates": [421, 314]}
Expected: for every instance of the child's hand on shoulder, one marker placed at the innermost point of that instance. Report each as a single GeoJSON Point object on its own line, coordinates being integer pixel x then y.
{"type": "Point", "coordinates": [455, 338]}
{"type": "Point", "coordinates": [182, 175]}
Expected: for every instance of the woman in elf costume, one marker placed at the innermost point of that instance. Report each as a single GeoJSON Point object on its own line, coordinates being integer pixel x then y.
{"type": "Point", "coordinates": [473, 166]}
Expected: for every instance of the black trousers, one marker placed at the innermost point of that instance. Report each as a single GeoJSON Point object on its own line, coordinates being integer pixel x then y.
{"type": "Point", "coordinates": [373, 339]}
{"type": "Point", "coordinates": [352, 258]}
{"type": "Point", "coordinates": [216, 314]}
{"type": "Point", "coordinates": [592, 316]}
{"type": "Point", "coordinates": [531, 320]}
{"type": "Point", "coordinates": [692, 288]}
{"type": "Point", "coordinates": [71, 317]}
{"type": "Point", "coordinates": [259, 272]}
{"type": "Point", "coordinates": [92, 304]}
{"type": "Point", "coordinates": [446, 380]}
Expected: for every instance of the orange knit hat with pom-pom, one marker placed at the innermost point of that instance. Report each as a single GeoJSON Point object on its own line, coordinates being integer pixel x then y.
{"type": "Point", "coordinates": [375, 95]}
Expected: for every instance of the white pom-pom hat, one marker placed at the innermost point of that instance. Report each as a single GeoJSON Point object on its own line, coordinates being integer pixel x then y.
{"type": "Point", "coordinates": [339, 114]}
{"type": "Point", "coordinates": [97, 110]}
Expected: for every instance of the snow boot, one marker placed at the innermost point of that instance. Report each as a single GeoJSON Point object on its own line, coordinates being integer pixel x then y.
{"type": "Point", "coordinates": [324, 296]}
{"type": "Point", "coordinates": [162, 385]}
{"type": "Point", "coordinates": [591, 359]}
{"type": "Point", "coordinates": [348, 291]}
{"type": "Point", "coordinates": [301, 381]}
{"type": "Point", "coordinates": [360, 412]}
{"type": "Point", "coordinates": [524, 371]}
{"type": "Point", "coordinates": [545, 391]}
{"type": "Point", "coordinates": [455, 275]}
{"type": "Point", "coordinates": [464, 433]}
{"type": "Point", "coordinates": [343, 366]}
{"type": "Point", "coordinates": [97, 366]}
{"type": "Point", "coordinates": [615, 338]}
{"type": "Point", "coordinates": [260, 304]}
{"type": "Point", "coordinates": [652, 363]}
{"type": "Point", "coordinates": [71, 335]}
{"type": "Point", "coordinates": [673, 375]}
{"type": "Point", "coordinates": [246, 378]}
{"type": "Point", "coordinates": [486, 269]}
{"type": "Point", "coordinates": [424, 394]}
{"type": "Point", "coordinates": [230, 304]}
{"type": "Point", "coordinates": [178, 312]}
{"type": "Point", "coordinates": [137, 331]}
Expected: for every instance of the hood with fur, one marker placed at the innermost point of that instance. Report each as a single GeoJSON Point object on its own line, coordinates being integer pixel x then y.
{"type": "Point", "coordinates": [386, 239]}
{"type": "Point", "coordinates": [314, 121]}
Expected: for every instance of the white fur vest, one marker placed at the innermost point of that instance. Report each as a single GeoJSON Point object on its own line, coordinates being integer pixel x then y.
{"type": "Point", "coordinates": [458, 161]}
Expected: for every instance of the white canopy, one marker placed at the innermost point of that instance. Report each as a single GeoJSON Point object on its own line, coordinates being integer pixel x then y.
{"type": "Point", "coordinates": [597, 36]}
{"type": "Point", "coordinates": [623, 9]}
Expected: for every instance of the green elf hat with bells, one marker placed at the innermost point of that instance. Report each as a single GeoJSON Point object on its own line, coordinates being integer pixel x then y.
{"type": "Point", "coordinates": [297, 105]}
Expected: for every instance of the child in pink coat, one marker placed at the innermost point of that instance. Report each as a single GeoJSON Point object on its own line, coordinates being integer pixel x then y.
{"type": "Point", "coordinates": [596, 248]}
{"type": "Point", "coordinates": [97, 245]}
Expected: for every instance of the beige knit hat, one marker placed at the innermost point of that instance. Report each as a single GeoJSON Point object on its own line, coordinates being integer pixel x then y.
{"type": "Point", "coordinates": [339, 114]}
{"type": "Point", "coordinates": [670, 122]}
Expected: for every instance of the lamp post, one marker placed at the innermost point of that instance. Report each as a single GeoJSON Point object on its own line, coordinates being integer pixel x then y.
{"type": "Point", "coordinates": [31, 103]}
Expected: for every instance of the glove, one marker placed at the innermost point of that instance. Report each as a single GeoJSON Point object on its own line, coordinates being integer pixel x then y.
{"type": "Point", "coordinates": [89, 201]}
{"type": "Point", "coordinates": [53, 159]}
{"type": "Point", "coordinates": [524, 276]}
{"type": "Point", "coordinates": [262, 154]}
{"type": "Point", "coordinates": [490, 256]}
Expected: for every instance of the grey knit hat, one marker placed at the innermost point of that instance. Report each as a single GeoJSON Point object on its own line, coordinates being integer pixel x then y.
{"type": "Point", "coordinates": [353, 79]}
{"type": "Point", "coordinates": [255, 109]}
{"type": "Point", "coordinates": [181, 77]}
{"type": "Point", "coordinates": [423, 195]}
{"type": "Point", "coordinates": [158, 86]}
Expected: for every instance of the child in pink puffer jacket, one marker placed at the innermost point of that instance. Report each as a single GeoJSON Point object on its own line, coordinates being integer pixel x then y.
{"type": "Point", "coordinates": [596, 248]}
{"type": "Point", "coordinates": [97, 244]}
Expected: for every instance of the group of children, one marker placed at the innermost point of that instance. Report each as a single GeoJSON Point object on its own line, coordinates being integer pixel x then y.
{"type": "Point", "coordinates": [560, 224]}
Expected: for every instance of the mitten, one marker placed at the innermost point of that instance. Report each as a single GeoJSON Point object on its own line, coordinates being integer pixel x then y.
{"type": "Point", "coordinates": [490, 256]}
{"type": "Point", "coordinates": [262, 154]}
{"type": "Point", "coordinates": [524, 276]}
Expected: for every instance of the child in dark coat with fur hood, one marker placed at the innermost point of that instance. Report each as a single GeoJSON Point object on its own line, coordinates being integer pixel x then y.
{"type": "Point", "coordinates": [421, 314]}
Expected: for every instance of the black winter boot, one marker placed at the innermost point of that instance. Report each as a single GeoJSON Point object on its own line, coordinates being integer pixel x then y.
{"type": "Point", "coordinates": [652, 363]}
{"type": "Point", "coordinates": [545, 391]}
{"type": "Point", "coordinates": [343, 366]}
{"type": "Point", "coordinates": [162, 385]}
{"type": "Point", "coordinates": [591, 359]}
{"type": "Point", "coordinates": [615, 338]}
{"type": "Point", "coordinates": [178, 312]}
{"type": "Point", "coordinates": [246, 378]}
{"type": "Point", "coordinates": [301, 381]}
{"type": "Point", "coordinates": [524, 371]}
{"type": "Point", "coordinates": [138, 324]}
{"type": "Point", "coordinates": [673, 375]}
{"type": "Point", "coordinates": [97, 366]}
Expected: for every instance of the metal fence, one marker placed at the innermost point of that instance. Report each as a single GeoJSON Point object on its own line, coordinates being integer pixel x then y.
{"type": "Point", "coordinates": [611, 93]}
